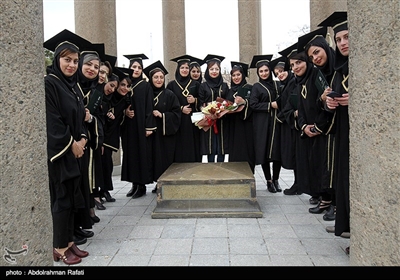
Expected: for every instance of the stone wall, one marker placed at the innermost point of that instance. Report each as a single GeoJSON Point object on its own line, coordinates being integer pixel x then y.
{"type": "Point", "coordinates": [26, 224]}
{"type": "Point", "coordinates": [374, 132]}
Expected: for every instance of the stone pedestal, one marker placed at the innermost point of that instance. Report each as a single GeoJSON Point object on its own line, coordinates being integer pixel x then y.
{"type": "Point", "coordinates": [207, 190]}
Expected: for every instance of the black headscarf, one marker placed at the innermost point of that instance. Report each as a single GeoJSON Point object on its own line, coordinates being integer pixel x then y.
{"type": "Point", "coordinates": [213, 82]}
{"type": "Point", "coordinates": [326, 69]}
{"type": "Point", "coordinates": [183, 81]}
{"type": "Point", "coordinates": [85, 83]}
{"type": "Point", "coordinates": [195, 64]}
{"type": "Point", "coordinates": [234, 86]}
{"type": "Point", "coordinates": [138, 79]}
{"type": "Point", "coordinates": [156, 90]}
{"type": "Point", "coordinates": [269, 81]}
{"type": "Point", "coordinates": [302, 56]}
{"type": "Point", "coordinates": [55, 69]}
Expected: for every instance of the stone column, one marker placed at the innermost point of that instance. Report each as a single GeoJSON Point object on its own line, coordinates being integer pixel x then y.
{"type": "Point", "coordinates": [99, 29]}
{"type": "Point", "coordinates": [320, 10]}
{"type": "Point", "coordinates": [374, 132]}
{"type": "Point", "coordinates": [174, 34]}
{"type": "Point", "coordinates": [25, 200]}
{"type": "Point", "coordinates": [250, 37]}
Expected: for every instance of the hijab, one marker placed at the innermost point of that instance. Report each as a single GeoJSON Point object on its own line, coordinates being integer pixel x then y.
{"type": "Point", "coordinates": [302, 56]}
{"type": "Point", "coordinates": [156, 90]}
{"type": "Point", "coordinates": [55, 69]}
{"type": "Point", "coordinates": [213, 82]}
{"type": "Point", "coordinates": [234, 86]}
{"type": "Point", "coordinates": [269, 81]}
{"type": "Point", "coordinates": [195, 64]}
{"type": "Point", "coordinates": [328, 68]}
{"type": "Point", "coordinates": [85, 83]}
{"type": "Point", "coordinates": [183, 81]}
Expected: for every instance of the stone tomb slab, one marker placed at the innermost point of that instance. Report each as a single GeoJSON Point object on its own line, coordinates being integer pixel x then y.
{"type": "Point", "coordinates": [207, 190]}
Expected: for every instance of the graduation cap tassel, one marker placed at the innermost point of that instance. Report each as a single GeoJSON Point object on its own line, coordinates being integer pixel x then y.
{"type": "Point", "coordinates": [330, 41]}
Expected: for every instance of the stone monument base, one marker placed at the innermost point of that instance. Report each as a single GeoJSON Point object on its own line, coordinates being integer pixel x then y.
{"type": "Point", "coordinates": [207, 190]}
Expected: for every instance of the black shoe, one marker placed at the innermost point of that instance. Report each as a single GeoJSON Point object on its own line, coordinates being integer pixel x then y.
{"type": "Point", "coordinates": [141, 191]}
{"type": "Point", "coordinates": [277, 186]}
{"type": "Point", "coordinates": [271, 187]}
{"type": "Point", "coordinates": [321, 207]}
{"type": "Point", "coordinates": [83, 233]}
{"type": "Point", "coordinates": [314, 199]}
{"type": "Point", "coordinates": [78, 240]}
{"type": "Point", "coordinates": [331, 214]}
{"type": "Point", "coordinates": [108, 197]}
{"type": "Point", "coordinates": [99, 205]}
{"type": "Point", "coordinates": [95, 219]}
{"type": "Point", "coordinates": [132, 190]}
{"type": "Point", "coordinates": [291, 191]}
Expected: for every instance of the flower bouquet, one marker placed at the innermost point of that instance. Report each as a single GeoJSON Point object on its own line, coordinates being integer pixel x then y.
{"type": "Point", "coordinates": [215, 110]}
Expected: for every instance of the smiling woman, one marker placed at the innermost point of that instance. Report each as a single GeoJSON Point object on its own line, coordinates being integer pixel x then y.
{"type": "Point", "coordinates": [149, 37]}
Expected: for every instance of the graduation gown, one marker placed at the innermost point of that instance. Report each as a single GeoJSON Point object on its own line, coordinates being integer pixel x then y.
{"type": "Point", "coordinates": [342, 155]}
{"type": "Point", "coordinates": [65, 115]}
{"type": "Point", "coordinates": [241, 142]}
{"type": "Point", "coordinates": [285, 117]}
{"type": "Point", "coordinates": [208, 94]}
{"type": "Point", "coordinates": [164, 142]}
{"type": "Point", "coordinates": [136, 147]}
{"type": "Point", "coordinates": [188, 135]}
{"type": "Point", "coordinates": [266, 129]}
{"type": "Point", "coordinates": [312, 155]}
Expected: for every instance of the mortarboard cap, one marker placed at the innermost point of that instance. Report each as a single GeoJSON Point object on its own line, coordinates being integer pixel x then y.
{"type": "Point", "coordinates": [305, 41]}
{"type": "Point", "coordinates": [213, 57]}
{"type": "Point", "coordinates": [244, 66]}
{"type": "Point", "coordinates": [260, 59]}
{"type": "Point", "coordinates": [186, 58]}
{"type": "Point", "coordinates": [337, 20]}
{"type": "Point", "coordinates": [154, 66]}
{"type": "Point", "coordinates": [140, 56]}
{"type": "Point", "coordinates": [278, 62]}
{"type": "Point", "coordinates": [97, 49]}
{"type": "Point", "coordinates": [195, 60]}
{"type": "Point", "coordinates": [289, 51]}
{"type": "Point", "coordinates": [110, 58]}
{"type": "Point", "coordinates": [121, 73]}
{"type": "Point", "coordinates": [66, 36]}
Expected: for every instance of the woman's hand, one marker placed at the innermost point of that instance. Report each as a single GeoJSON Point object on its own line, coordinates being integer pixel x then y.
{"type": "Point", "coordinates": [111, 115]}
{"type": "Point", "coordinates": [344, 100]}
{"type": "Point", "coordinates": [87, 116]}
{"type": "Point", "coordinates": [157, 114]}
{"type": "Point", "coordinates": [129, 113]}
{"type": "Point", "coordinates": [186, 109]}
{"type": "Point", "coordinates": [78, 148]}
{"type": "Point", "coordinates": [148, 133]}
{"type": "Point", "coordinates": [190, 99]}
{"type": "Point", "coordinates": [239, 100]}
{"type": "Point", "coordinates": [308, 130]}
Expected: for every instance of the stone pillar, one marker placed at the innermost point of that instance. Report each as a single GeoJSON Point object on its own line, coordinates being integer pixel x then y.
{"type": "Point", "coordinates": [99, 29]}
{"type": "Point", "coordinates": [321, 9]}
{"type": "Point", "coordinates": [250, 37]}
{"type": "Point", "coordinates": [174, 34]}
{"type": "Point", "coordinates": [374, 132]}
{"type": "Point", "coordinates": [25, 199]}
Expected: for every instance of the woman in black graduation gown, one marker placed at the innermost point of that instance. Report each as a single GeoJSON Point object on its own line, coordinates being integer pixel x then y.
{"type": "Point", "coordinates": [137, 130]}
{"type": "Point", "coordinates": [88, 71]}
{"type": "Point", "coordinates": [338, 21]}
{"type": "Point", "coordinates": [314, 123]}
{"type": "Point", "coordinates": [113, 106]}
{"type": "Point", "coordinates": [167, 112]}
{"type": "Point", "coordinates": [285, 116]}
{"type": "Point", "coordinates": [186, 90]}
{"type": "Point", "coordinates": [195, 69]}
{"type": "Point", "coordinates": [214, 141]}
{"type": "Point", "coordinates": [241, 142]}
{"type": "Point", "coordinates": [322, 56]}
{"type": "Point", "coordinates": [66, 141]}
{"type": "Point", "coordinates": [266, 129]}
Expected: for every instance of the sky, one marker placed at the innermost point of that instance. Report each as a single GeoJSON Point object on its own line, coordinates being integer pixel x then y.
{"type": "Point", "coordinates": [215, 32]}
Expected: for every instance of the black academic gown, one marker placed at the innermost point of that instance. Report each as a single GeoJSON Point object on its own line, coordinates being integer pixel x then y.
{"type": "Point", "coordinates": [188, 135]}
{"type": "Point", "coordinates": [241, 142]}
{"type": "Point", "coordinates": [164, 142]}
{"type": "Point", "coordinates": [285, 117]}
{"type": "Point", "coordinates": [116, 104]}
{"type": "Point", "coordinates": [342, 155]}
{"type": "Point", "coordinates": [266, 128]}
{"type": "Point", "coordinates": [207, 94]}
{"type": "Point", "coordinates": [136, 147]}
{"type": "Point", "coordinates": [312, 156]}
